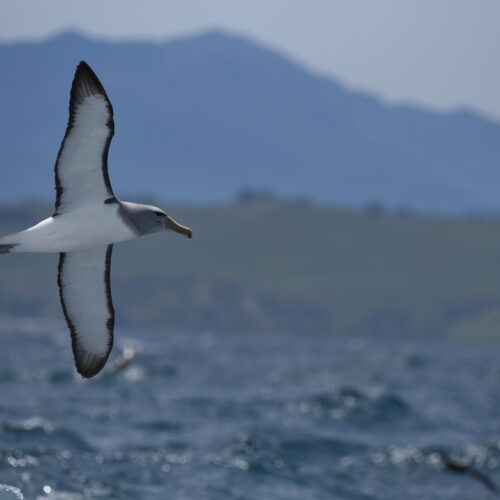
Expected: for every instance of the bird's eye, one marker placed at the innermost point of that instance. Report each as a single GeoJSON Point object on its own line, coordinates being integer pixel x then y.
{"type": "Point", "coordinates": [159, 214]}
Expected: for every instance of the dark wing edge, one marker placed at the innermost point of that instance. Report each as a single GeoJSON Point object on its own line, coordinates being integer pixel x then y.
{"type": "Point", "coordinates": [85, 84]}
{"type": "Point", "coordinates": [88, 364]}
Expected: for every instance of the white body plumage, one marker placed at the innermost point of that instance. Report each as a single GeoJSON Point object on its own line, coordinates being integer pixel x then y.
{"type": "Point", "coordinates": [86, 227]}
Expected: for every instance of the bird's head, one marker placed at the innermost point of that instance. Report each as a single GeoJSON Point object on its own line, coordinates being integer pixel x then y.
{"type": "Point", "coordinates": [148, 219]}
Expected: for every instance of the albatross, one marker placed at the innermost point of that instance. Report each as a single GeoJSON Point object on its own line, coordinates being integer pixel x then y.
{"type": "Point", "coordinates": [87, 221]}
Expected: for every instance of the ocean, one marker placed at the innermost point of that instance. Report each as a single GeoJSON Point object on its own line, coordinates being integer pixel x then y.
{"type": "Point", "coordinates": [246, 416]}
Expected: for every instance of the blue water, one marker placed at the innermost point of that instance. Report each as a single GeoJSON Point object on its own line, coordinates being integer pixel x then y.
{"type": "Point", "coordinates": [250, 416]}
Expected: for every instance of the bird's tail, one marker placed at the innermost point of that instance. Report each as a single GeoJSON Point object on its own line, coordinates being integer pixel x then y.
{"type": "Point", "coordinates": [7, 243]}
{"type": "Point", "coordinates": [7, 247]}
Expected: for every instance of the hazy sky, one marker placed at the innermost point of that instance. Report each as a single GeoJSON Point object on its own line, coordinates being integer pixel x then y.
{"type": "Point", "coordinates": [440, 53]}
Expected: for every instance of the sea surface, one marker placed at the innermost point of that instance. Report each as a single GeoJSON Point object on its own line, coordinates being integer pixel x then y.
{"type": "Point", "coordinates": [251, 417]}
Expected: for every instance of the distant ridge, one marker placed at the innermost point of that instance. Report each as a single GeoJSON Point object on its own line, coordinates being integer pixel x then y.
{"type": "Point", "coordinates": [200, 118]}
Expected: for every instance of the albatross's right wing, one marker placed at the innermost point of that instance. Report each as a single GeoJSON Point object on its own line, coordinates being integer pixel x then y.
{"type": "Point", "coordinates": [85, 292]}
{"type": "Point", "coordinates": [81, 169]}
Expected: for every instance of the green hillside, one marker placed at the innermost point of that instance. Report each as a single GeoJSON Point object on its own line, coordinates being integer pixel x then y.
{"type": "Point", "coordinates": [279, 266]}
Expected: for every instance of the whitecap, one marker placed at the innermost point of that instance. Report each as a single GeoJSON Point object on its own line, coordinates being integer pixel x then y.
{"type": "Point", "coordinates": [10, 493]}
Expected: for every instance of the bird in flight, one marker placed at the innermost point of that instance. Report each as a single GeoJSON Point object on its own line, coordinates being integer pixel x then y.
{"type": "Point", "coordinates": [87, 221]}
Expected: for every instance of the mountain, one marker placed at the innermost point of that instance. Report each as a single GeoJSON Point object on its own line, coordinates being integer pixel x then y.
{"type": "Point", "coordinates": [200, 118]}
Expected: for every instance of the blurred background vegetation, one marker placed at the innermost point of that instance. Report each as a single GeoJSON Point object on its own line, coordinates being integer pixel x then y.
{"type": "Point", "coordinates": [267, 264]}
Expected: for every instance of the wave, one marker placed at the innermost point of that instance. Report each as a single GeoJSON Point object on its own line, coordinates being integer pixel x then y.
{"type": "Point", "coordinates": [10, 493]}
{"type": "Point", "coordinates": [357, 407]}
{"type": "Point", "coordinates": [38, 432]}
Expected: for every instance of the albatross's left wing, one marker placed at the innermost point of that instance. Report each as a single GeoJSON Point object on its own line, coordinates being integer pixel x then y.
{"type": "Point", "coordinates": [85, 292]}
{"type": "Point", "coordinates": [81, 168]}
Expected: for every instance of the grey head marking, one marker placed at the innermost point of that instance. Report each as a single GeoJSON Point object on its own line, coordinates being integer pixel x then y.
{"type": "Point", "coordinates": [146, 219]}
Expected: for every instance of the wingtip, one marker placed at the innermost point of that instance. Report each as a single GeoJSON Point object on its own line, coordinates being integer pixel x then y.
{"type": "Point", "coordinates": [86, 83]}
{"type": "Point", "coordinates": [89, 365]}
{"type": "Point", "coordinates": [83, 67]}
{"type": "Point", "coordinates": [83, 70]}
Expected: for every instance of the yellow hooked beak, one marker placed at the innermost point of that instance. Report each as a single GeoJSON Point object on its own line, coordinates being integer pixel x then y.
{"type": "Point", "coordinates": [171, 225]}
